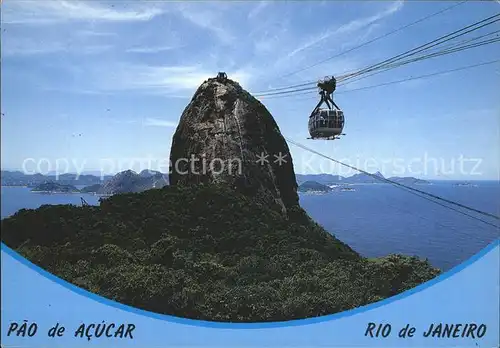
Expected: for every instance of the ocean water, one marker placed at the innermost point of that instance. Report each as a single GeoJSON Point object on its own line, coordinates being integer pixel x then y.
{"type": "Point", "coordinates": [375, 220]}
{"type": "Point", "coordinates": [14, 198]}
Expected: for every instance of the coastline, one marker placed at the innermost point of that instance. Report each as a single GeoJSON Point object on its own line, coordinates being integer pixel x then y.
{"type": "Point", "coordinates": [55, 192]}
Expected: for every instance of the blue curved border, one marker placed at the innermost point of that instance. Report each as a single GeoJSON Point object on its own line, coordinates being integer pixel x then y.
{"type": "Point", "coordinates": [265, 325]}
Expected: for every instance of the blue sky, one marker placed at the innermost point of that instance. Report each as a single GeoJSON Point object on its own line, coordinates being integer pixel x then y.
{"type": "Point", "coordinates": [87, 83]}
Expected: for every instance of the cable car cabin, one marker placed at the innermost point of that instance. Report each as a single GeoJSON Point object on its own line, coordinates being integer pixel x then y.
{"type": "Point", "coordinates": [326, 124]}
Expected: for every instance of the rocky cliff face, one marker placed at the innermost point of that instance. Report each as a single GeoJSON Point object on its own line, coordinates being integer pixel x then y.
{"type": "Point", "coordinates": [227, 136]}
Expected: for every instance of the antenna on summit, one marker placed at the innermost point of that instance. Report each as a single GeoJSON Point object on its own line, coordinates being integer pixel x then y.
{"type": "Point", "coordinates": [221, 76]}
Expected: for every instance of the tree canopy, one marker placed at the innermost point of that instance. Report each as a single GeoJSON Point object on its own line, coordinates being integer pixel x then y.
{"type": "Point", "coordinates": [206, 252]}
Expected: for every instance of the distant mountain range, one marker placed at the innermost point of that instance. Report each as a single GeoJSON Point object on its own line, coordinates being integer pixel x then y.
{"type": "Point", "coordinates": [18, 178]}
{"type": "Point", "coordinates": [130, 181]}
{"type": "Point", "coordinates": [126, 181]}
{"type": "Point", "coordinates": [53, 187]}
{"type": "Point", "coordinates": [328, 179]}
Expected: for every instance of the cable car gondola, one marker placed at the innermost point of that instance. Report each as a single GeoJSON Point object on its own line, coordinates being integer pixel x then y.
{"type": "Point", "coordinates": [326, 123]}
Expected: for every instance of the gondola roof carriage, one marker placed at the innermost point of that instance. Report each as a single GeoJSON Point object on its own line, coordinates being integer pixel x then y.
{"type": "Point", "coordinates": [326, 123]}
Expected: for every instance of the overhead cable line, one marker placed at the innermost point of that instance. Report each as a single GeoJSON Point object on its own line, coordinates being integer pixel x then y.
{"type": "Point", "coordinates": [396, 82]}
{"type": "Point", "coordinates": [452, 208]}
{"type": "Point", "coordinates": [433, 43]}
{"type": "Point", "coordinates": [403, 186]}
{"type": "Point", "coordinates": [472, 39]}
{"type": "Point", "coordinates": [374, 39]}
{"type": "Point", "coordinates": [422, 76]}
{"type": "Point", "coordinates": [425, 57]}
{"type": "Point", "coordinates": [414, 213]}
{"type": "Point", "coordinates": [428, 56]}
{"type": "Point", "coordinates": [395, 59]}
{"type": "Point", "coordinates": [450, 49]}
{"type": "Point", "coordinates": [338, 77]}
{"type": "Point", "coordinates": [287, 92]}
{"type": "Point", "coordinates": [391, 66]}
{"type": "Point", "coordinates": [287, 87]}
{"type": "Point", "coordinates": [424, 47]}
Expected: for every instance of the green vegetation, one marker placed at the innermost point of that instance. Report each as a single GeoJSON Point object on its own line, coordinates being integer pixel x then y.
{"type": "Point", "coordinates": [55, 187]}
{"type": "Point", "coordinates": [91, 189]}
{"type": "Point", "coordinates": [313, 186]}
{"type": "Point", "coordinates": [206, 252]}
